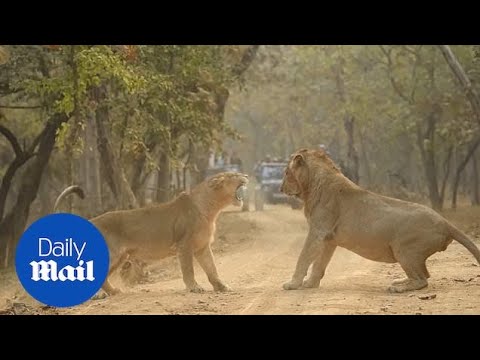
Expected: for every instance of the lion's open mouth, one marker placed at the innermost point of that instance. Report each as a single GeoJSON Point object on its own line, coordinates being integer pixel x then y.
{"type": "Point", "coordinates": [240, 192]}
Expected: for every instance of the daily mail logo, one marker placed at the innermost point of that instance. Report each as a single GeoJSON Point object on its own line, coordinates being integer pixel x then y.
{"type": "Point", "coordinates": [62, 260]}
{"type": "Point", "coordinates": [49, 270]}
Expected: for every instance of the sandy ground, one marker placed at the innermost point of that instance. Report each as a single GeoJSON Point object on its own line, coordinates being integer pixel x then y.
{"type": "Point", "coordinates": [256, 253]}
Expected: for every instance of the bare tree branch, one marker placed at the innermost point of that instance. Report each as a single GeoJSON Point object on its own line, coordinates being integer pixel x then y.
{"type": "Point", "coordinates": [395, 85]}
{"type": "Point", "coordinates": [414, 75]}
{"type": "Point", "coordinates": [446, 169]}
{"type": "Point", "coordinates": [412, 51]}
{"type": "Point", "coordinates": [246, 60]}
{"type": "Point", "coordinates": [462, 77]}
{"type": "Point", "coordinates": [474, 145]}
{"type": "Point", "coordinates": [12, 139]}
{"type": "Point", "coordinates": [34, 144]}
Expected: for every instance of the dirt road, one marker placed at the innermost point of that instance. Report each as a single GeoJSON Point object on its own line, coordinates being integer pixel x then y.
{"type": "Point", "coordinates": [256, 253]}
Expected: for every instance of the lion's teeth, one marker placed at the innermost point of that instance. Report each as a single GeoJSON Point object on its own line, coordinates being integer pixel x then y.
{"type": "Point", "coordinates": [240, 192]}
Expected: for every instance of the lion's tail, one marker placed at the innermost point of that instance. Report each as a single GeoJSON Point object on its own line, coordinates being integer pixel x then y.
{"type": "Point", "coordinates": [69, 190]}
{"type": "Point", "coordinates": [465, 241]}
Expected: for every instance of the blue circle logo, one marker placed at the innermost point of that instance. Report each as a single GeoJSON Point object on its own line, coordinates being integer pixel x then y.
{"type": "Point", "coordinates": [62, 260]}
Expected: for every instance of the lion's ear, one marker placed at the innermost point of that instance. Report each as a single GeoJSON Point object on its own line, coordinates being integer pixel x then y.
{"type": "Point", "coordinates": [216, 182]}
{"type": "Point", "coordinates": [299, 160]}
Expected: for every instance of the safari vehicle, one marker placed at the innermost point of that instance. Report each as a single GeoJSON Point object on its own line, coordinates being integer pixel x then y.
{"type": "Point", "coordinates": [233, 168]}
{"type": "Point", "coordinates": [269, 176]}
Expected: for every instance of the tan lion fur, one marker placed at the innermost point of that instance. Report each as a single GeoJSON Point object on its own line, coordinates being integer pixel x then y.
{"type": "Point", "coordinates": [184, 226]}
{"type": "Point", "coordinates": [376, 227]}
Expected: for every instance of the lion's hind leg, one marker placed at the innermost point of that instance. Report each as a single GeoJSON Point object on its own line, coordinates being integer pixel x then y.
{"type": "Point", "coordinates": [417, 274]}
{"type": "Point", "coordinates": [185, 257]}
{"type": "Point", "coordinates": [404, 280]}
{"type": "Point", "coordinates": [119, 260]}
{"type": "Point", "coordinates": [400, 281]}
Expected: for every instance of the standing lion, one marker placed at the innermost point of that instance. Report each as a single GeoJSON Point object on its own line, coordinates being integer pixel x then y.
{"type": "Point", "coordinates": [379, 228]}
{"type": "Point", "coordinates": [184, 226]}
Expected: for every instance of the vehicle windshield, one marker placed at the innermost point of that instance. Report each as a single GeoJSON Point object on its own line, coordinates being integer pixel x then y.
{"type": "Point", "coordinates": [273, 172]}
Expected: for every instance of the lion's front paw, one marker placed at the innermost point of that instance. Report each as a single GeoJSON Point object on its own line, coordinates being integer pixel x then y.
{"type": "Point", "coordinates": [196, 289]}
{"type": "Point", "coordinates": [222, 288]}
{"type": "Point", "coordinates": [292, 285]}
{"type": "Point", "coordinates": [311, 283]}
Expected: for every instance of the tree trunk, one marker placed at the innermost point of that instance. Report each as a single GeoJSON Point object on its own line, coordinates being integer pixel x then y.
{"type": "Point", "coordinates": [352, 155]}
{"type": "Point", "coordinates": [163, 178]}
{"type": "Point", "coordinates": [99, 182]}
{"type": "Point", "coordinates": [460, 169]}
{"type": "Point", "coordinates": [200, 164]}
{"type": "Point", "coordinates": [221, 95]}
{"type": "Point", "coordinates": [21, 157]}
{"type": "Point", "coordinates": [44, 196]}
{"type": "Point", "coordinates": [113, 171]}
{"type": "Point", "coordinates": [348, 120]}
{"type": "Point", "coordinates": [431, 176]}
{"type": "Point", "coordinates": [91, 173]}
{"type": "Point", "coordinates": [184, 178]}
{"type": "Point", "coordinates": [179, 181]}
{"type": "Point", "coordinates": [475, 180]}
{"type": "Point", "coordinates": [462, 77]}
{"type": "Point", "coordinates": [137, 179]}
{"type": "Point", "coordinates": [455, 190]}
{"type": "Point", "coordinates": [7, 182]}
{"type": "Point", "coordinates": [446, 169]}
{"type": "Point", "coordinates": [363, 149]}
{"type": "Point", "coordinates": [291, 137]}
{"type": "Point", "coordinates": [428, 159]}
{"type": "Point", "coordinates": [474, 100]}
{"type": "Point", "coordinates": [74, 130]}
{"type": "Point", "coordinates": [13, 225]}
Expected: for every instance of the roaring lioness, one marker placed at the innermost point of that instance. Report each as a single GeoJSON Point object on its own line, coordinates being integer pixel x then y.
{"type": "Point", "coordinates": [183, 226]}
{"type": "Point", "coordinates": [379, 228]}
